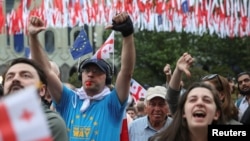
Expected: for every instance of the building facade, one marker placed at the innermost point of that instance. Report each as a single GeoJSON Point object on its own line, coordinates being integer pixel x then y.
{"type": "Point", "coordinates": [55, 41]}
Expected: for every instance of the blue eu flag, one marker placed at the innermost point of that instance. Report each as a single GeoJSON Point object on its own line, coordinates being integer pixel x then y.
{"type": "Point", "coordinates": [81, 45]}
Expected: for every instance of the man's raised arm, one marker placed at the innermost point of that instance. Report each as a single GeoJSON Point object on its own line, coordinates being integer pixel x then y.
{"type": "Point", "coordinates": [36, 25]}
{"type": "Point", "coordinates": [123, 23]}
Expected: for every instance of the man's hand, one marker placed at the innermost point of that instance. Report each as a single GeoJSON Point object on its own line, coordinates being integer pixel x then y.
{"type": "Point", "coordinates": [167, 70]}
{"type": "Point", "coordinates": [36, 25]}
{"type": "Point", "coordinates": [122, 23]}
{"type": "Point", "coordinates": [184, 63]}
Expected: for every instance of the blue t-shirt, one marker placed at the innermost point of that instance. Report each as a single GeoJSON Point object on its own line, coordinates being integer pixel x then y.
{"type": "Point", "coordinates": [100, 122]}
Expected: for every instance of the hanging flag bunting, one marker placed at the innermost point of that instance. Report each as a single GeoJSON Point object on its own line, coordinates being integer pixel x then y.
{"type": "Point", "coordinates": [202, 15]}
{"type": "Point", "coordinates": [184, 6]}
{"type": "Point", "coordinates": [2, 17]}
{"type": "Point", "coordinates": [160, 20]}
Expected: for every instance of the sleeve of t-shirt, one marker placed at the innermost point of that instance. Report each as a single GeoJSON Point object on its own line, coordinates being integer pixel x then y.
{"type": "Point", "coordinates": [172, 99]}
{"type": "Point", "coordinates": [116, 108]}
{"type": "Point", "coordinates": [67, 96]}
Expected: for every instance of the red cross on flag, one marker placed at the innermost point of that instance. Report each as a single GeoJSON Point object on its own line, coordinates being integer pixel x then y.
{"type": "Point", "coordinates": [137, 90]}
{"type": "Point", "coordinates": [124, 136]}
{"type": "Point", "coordinates": [22, 117]}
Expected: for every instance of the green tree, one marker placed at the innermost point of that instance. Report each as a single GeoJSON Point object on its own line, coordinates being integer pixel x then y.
{"type": "Point", "coordinates": [212, 54]}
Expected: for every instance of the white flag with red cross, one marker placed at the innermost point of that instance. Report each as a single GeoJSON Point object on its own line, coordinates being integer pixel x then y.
{"type": "Point", "coordinates": [22, 117]}
{"type": "Point", "coordinates": [108, 47]}
{"type": "Point", "coordinates": [137, 90]}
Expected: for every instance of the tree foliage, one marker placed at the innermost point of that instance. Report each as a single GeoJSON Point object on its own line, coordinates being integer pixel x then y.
{"type": "Point", "coordinates": [225, 56]}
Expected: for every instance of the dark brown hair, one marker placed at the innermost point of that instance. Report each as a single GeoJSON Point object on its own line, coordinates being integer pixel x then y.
{"type": "Point", "coordinates": [229, 109]}
{"type": "Point", "coordinates": [39, 70]}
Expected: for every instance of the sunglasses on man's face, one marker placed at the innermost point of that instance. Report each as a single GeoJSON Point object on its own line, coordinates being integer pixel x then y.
{"type": "Point", "coordinates": [211, 77]}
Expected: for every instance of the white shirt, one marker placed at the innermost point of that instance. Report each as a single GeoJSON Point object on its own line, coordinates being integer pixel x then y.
{"type": "Point", "coordinates": [242, 107]}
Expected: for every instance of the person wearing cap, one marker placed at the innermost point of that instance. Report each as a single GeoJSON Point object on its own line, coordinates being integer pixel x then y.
{"type": "Point", "coordinates": [156, 119]}
{"type": "Point", "coordinates": [93, 112]}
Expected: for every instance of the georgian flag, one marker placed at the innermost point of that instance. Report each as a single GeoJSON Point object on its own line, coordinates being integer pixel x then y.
{"type": "Point", "coordinates": [137, 90]}
{"type": "Point", "coordinates": [124, 135]}
{"type": "Point", "coordinates": [108, 47]}
{"type": "Point", "coordinates": [22, 117]}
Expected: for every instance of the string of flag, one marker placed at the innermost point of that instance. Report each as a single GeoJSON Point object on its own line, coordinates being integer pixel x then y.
{"type": "Point", "coordinates": [225, 18]}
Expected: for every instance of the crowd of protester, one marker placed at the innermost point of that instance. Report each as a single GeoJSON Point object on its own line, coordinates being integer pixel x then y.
{"type": "Point", "coordinates": [95, 111]}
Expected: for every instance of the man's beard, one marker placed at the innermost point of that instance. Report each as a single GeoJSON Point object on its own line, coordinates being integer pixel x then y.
{"type": "Point", "coordinates": [247, 92]}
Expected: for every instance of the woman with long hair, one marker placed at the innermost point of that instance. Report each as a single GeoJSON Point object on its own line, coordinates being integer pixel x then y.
{"type": "Point", "coordinates": [221, 84]}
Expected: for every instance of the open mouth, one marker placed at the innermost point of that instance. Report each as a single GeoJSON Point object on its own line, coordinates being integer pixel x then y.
{"type": "Point", "coordinates": [199, 114]}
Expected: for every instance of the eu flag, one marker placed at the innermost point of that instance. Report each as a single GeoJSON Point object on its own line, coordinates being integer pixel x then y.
{"type": "Point", "coordinates": [81, 45]}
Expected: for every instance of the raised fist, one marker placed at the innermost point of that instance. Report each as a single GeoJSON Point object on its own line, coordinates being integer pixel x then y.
{"type": "Point", "coordinates": [123, 23]}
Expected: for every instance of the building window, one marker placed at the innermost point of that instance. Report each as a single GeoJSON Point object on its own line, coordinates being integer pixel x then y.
{"type": "Point", "coordinates": [49, 41]}
{"type": "Point", "coordinates": [69, 30]}
{"type": "Point", "coordinates": [76, 34]}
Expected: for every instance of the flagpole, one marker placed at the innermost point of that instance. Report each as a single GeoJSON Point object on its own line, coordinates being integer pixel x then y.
{"type": "Point", "coordinates": [78, 63]}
